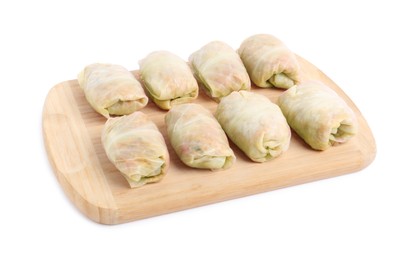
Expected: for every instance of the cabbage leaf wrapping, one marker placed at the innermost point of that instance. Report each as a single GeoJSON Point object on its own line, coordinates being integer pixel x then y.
{"type": "Point", "coordinates": [135, 146]}
{"type": "Point", "coordinates": [219, 69]}
{"type": "Point", "coordinates": [198, 138]}
{"type": "Point", "coordinates": [112, 89]}
{"type": "Point", "coordinates": [269, 62]}
{"type": "Point", "coordinates": [168, 79]}
{"type": "Point", "coordinates": [255, 124]}
{"type": "Point", "coordinates": [318, 115]}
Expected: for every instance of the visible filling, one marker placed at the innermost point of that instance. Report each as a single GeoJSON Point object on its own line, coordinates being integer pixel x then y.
{"type": "Point", "coordinates": [191, 94]}
{"type": "Point", "coordinates": [341, 133]}
{"type": "Point", "coordinates": [166, 104]}
{"type": "Point", "coordinates": [281, 80]}
{"type": "Point", "coordinates": [139, 177]}
{"type": "Point", "coordinates": [210, 162]}
{"type": "Point", "coordinates": [274, 148]}
{"type": "Point", "coordinates": [147, 172]}
{"type": "Point", "coordinates": [122, 108]}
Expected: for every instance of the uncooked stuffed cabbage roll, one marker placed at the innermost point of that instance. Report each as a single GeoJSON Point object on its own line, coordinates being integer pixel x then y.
{"type": "Point", "coordinates": [255, 124]}
{"type": "Point", "coordinates": [318, 114]}
{"type": "Point", "coordinates": [198, 138]}
{"type": "Point", "coordinates": [269, 62]}
{"type": "Point", "coordinates": [219, 69]}
{"type": "Point", "coordinates": [168, 79]}
{"type": "Point", "coordinates": [135, 146]}
{"type": "Point", "coordinates": [111, 89]}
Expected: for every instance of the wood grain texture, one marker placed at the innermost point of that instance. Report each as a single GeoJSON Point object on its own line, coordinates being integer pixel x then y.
{"type": "Point", "coordinates": [72, 130]}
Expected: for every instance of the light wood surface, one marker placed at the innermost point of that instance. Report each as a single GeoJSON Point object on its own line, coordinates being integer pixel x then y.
{"type": "Point", "coordinates": [72, 129]}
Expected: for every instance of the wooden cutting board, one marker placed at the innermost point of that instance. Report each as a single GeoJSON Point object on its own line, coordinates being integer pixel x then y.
{"type": "Point", "coordinates": [72, 129]}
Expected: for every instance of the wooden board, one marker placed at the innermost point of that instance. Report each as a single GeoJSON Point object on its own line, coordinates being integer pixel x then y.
{"type": "Point", "coordinates": [72, 129]}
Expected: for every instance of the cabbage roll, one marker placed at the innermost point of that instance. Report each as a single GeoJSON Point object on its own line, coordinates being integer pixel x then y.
{"type": "Point", "coordinates": [269, 62]}
{"type": "Point", "coordinates": [135, 146]}
{"type": "Point", "coordinates": [111, 89]}
{"type": "Point", "coordinates": [198, 138]}
{"type": "Point", "coordinates": [255, 124]}
{"type": "Point", "coordinates": [318, 114]}
{"type": "Point", "coordinates": [219, 69]}
{"type": "Point", "coordinates": [168, 79]}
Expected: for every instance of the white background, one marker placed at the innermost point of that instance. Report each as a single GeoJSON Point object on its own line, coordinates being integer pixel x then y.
{"type": "Point", "coordinates": [359, 44]}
